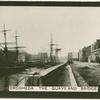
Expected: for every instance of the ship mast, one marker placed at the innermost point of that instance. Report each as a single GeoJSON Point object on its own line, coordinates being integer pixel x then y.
{"type": "Point", "coordinates": [5, 43]}
{"type": "Point", "coordinates": [56, 53]}
{"type": "Point", "coordinates": [17, 47]}
{"type": "Point", "coordinates": [17, 51]}
{"type": "Point", "coordinates": [51, 48]}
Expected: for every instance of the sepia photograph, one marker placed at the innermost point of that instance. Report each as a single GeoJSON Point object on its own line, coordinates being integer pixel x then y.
{"type": "Point", "coordinates": [49, 49]}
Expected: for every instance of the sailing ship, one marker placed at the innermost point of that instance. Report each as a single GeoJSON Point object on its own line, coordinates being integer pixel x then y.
{"type": "Point", "coordinates": [9, 59]}
{"type": "Point", "coordinates": [9, 56]}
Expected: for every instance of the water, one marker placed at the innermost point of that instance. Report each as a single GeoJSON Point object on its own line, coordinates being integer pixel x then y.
{"type": "Point", "coordinates": [17, 79]}
{"type": "Point", "coordinates": [20, 79]}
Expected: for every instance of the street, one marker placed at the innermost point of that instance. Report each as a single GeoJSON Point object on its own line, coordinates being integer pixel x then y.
{"type": "Point", "coordinates": [89, 72]}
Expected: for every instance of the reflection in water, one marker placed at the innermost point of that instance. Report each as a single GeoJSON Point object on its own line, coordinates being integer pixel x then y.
{"type": "Point", "coordinates": [18, 79]}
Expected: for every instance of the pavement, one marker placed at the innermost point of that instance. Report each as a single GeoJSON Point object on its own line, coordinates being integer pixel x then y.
{"type": "Point", "coordinates": [82, 64]}
{"type": "Point", "coordinates": [89, 72]}
{"type": "Point", "coordinates": [71, 77]}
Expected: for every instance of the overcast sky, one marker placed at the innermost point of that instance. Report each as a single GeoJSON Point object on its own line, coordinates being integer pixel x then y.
{"type": "Point", "coordinates": [72, 27]}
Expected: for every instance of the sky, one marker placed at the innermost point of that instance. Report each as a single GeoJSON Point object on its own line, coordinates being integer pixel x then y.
{"type": "Point", "coordinates": [72, 27]}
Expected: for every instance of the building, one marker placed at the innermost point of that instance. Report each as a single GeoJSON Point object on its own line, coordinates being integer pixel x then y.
{"type": "Point", "coordinates": [9, 58]}
{"type": "Point", "coordinates": [41, 57]}
{"type": "Point", "coordinates": [84, 54]}
{"type": "Point", "coordinates": [73, 55]}
{"type": "Point", "coordinates": [80, 55]}
{"type": "Point", "coordinates": [95, 51]}
{"type": "Point", "coordinates": [90, 53]}
{"type": "Point", "coordinates": [21, 57]}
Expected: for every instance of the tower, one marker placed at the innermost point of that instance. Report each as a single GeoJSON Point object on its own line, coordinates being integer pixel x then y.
{"type": "Point", "coordinates": [51, 49]}
{"type": "Point", "coordinates": [56, 53]}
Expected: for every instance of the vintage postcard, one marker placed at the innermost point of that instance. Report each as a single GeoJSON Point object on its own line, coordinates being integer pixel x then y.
{"type": "Point", "coordinates": [49, 50]}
